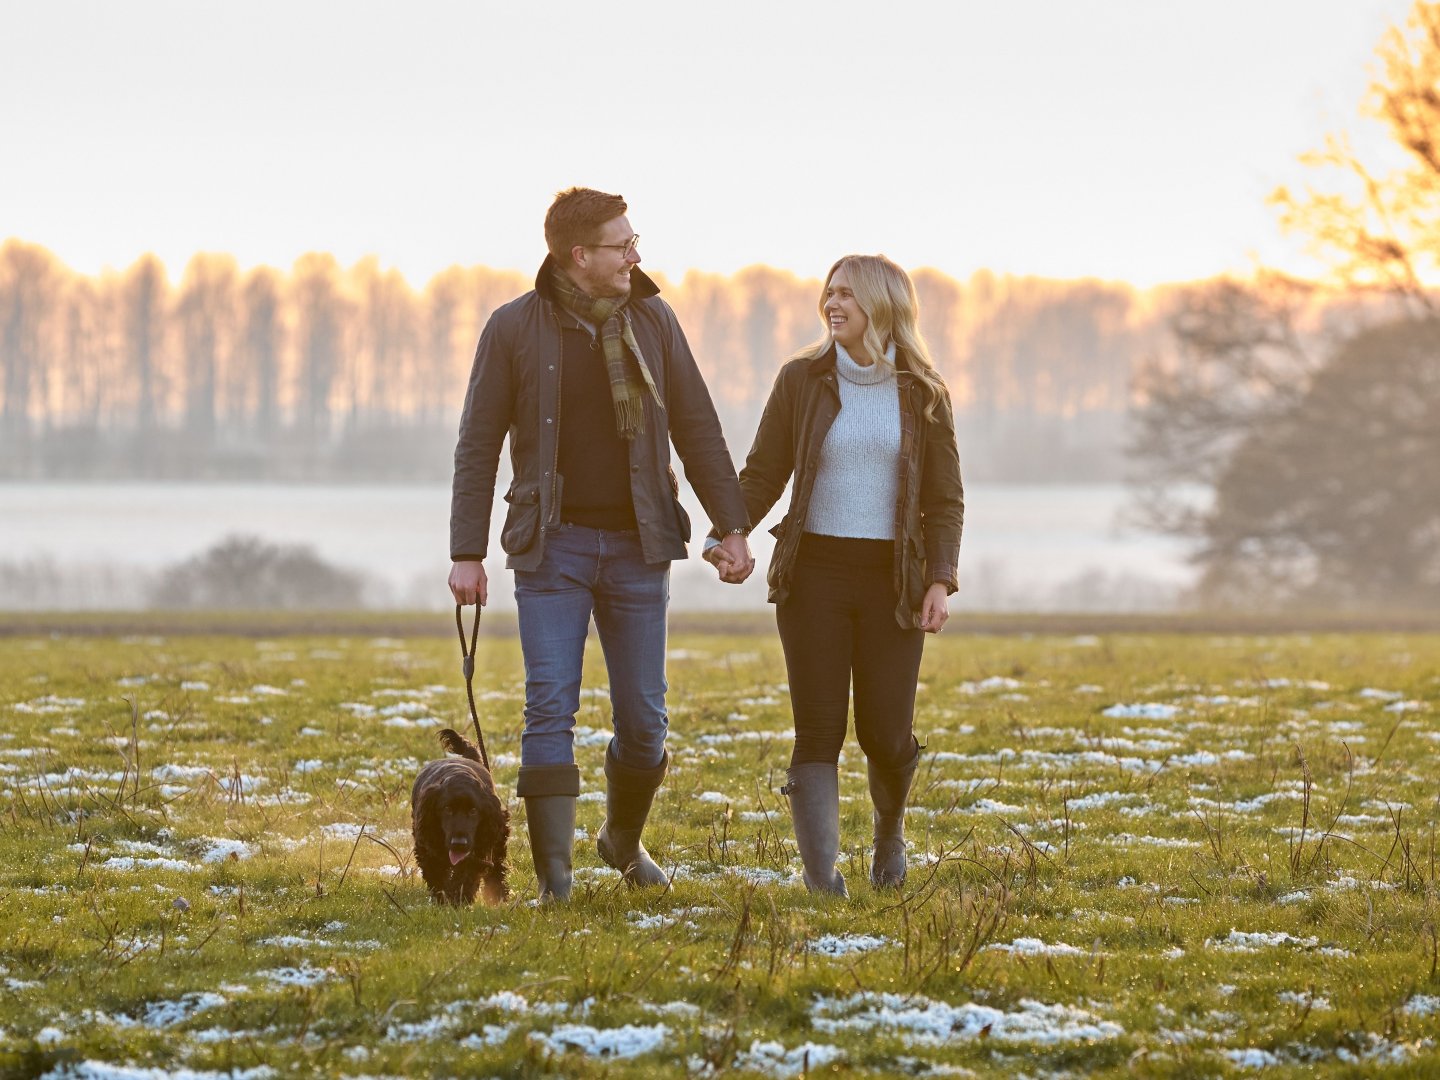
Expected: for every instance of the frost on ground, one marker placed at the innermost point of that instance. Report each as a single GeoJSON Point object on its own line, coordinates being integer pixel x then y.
{"type": "Point", "coordinates": [772, 1059]}
{"type": "Point", "coordinates": [1144, 711]}
{"type": "Point", "coordinates": [220, 849]}
{"type": "Point", "coordinates": [99, 1070]}
{"type": "Point", "coordinates": [1422, 1005]}
{"type": "Point", "coordinates": [926, 1022]}
{"type": "Point", "coordinates": [846, 944]}
{"type": "Point", "coordinates": [628, 1041]}
{"type": "Point", "coordinates": [1029, 946]}
{"type": "Point", "coordinates": [304, 975]}
{"type": "Point", "coordinates": [1241, 942]}
{"type": "Point", "coordinates": [169, 1013]}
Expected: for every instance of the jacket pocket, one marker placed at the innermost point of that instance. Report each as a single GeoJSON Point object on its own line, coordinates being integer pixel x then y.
{"type": "Point", "coordinates": [778, 529]}
{"type": "Point", "coordinates": [522, 520]}
{"type": "Point", "coordinates": [682, 520]}
{"type": "Point", "coordinates": [682, 517]}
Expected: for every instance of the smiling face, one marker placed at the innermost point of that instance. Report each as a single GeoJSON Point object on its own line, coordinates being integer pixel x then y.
{"type": "Point", "coordinates": [842, 312]}
{"type": "Point", "coordinates": [602, 267]}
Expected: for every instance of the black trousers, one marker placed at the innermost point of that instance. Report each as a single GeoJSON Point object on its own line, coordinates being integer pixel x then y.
{"type": "Point", "coordinates": [838, 623]}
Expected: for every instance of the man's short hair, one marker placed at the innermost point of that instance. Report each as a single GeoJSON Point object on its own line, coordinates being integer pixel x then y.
{"type": "Point", "coordinates": [575, 217]}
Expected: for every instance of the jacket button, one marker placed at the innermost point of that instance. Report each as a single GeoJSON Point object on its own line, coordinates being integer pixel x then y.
{"type": "Point", "coordinates": [548, 420]}
{"type": "Point", "coordinates": [643, 521]}
{"type": "Point", "coordinates": [634, 468]}
{"type": "Point", "coordinates": [551, 367]}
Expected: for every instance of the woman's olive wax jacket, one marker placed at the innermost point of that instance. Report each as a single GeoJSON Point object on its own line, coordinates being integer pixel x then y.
{"type": "Point", "coordinates": [930, 506]}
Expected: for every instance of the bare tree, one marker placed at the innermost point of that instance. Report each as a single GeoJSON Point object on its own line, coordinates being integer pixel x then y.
{"type": "Point", "coordinates": [206, 314]}
{"type": "Point", "coordinates": [258, 353]}
{"type": "Point", "coordinates": [143, 296]}
{"type": "Point", "coordinates": [1335, 499]}
{"type": "Point", "coordinates": [29, 281]}
{"type": "Point", "coordinates": [1320, 456]}
{"type": "Point", "coordinates": [321, 314]}
{"type": "Point", "coordinates": [436, 389]}
{"type": "Point", "coordinates": [1382, 229]}
{"type": "Point", "coordinates": [383, 358]}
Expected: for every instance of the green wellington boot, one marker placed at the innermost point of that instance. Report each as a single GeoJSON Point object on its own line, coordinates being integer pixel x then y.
{"type": "Point", "coordinates": [889, 788]}
{"type": "Point", "coordinates": [550, 792]}
{"type": "Point", "coordinates": [628, 795]}
{"type": "Point", "coordinates": [814, 791]}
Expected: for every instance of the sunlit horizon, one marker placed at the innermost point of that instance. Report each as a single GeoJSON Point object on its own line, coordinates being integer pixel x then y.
{"type": "Point", "coordinates": [1306, 269]}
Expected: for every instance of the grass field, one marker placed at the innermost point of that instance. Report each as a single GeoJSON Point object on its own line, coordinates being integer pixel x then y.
{"type": "Point", "coordinates": [1132, 854]}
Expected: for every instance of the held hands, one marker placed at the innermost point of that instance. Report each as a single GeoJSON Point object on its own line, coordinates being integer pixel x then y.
{"type": "Point", "coordinates": [468, 583]}
{"type": "Point", "coordinates": [732, 559]}
{"type": "Point", "coordinates": [935, 608]}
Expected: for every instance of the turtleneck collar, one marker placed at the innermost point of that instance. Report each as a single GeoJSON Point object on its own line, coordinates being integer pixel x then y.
{"type": "Point", "coordinates": [868, 375]}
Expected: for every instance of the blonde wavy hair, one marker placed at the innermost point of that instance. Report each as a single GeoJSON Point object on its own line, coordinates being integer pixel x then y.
{"type": "Point", "coordinates": [886, 295]}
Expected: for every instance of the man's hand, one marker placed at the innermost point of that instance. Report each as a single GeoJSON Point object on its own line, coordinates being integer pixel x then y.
{"type": "Point", "coordinates": [468, 582]}
{"type": "Point", "coordinates": [935, 608]}
{"type": "Point", "coordinates": [733, 559]}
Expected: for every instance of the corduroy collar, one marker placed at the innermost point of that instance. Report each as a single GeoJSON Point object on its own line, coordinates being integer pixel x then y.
{"type": "Point", "coordinates": [642, 287]}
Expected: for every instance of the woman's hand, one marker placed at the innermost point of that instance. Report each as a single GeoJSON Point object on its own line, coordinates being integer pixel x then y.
{"type": "Point", "coordinates": [935, 608]}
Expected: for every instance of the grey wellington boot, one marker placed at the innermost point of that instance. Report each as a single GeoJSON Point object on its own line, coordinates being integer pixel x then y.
{"type": "Point", "coordinates": [550, 792]}
{"type": "Point", "coordinates": [628, 795]}
{"type": "Point", "coordinates": [814, 791]}
{"type": "Point", "coordinates": [889, 788]}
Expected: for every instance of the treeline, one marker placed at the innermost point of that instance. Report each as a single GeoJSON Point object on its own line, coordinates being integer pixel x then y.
{"type": "Point", "coordinates": [331, 372]}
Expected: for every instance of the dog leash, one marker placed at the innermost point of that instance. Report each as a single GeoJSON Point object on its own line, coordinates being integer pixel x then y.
{"type": "Point", "coordinates": [467, 666]}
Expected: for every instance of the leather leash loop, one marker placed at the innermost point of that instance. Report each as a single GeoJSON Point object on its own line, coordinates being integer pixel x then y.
{"type": "Point", "coordinates": [467, 668]}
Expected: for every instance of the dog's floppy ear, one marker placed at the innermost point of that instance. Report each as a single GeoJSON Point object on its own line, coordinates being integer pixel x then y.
{"type": "Point", "coordinates": [492, 834]}
{"type": "Point", "coordinates": [425, 805]}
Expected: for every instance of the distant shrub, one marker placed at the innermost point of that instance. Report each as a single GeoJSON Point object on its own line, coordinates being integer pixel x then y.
{"type": "Point", "coordinates": [246, 573]}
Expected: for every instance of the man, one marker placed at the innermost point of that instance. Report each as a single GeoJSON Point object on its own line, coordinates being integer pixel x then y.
{"type": "Point", "coordinates": [591, 376]}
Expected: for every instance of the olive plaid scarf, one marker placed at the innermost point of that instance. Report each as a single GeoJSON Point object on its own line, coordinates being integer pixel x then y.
{"type": "Point", "coordinates": [627, 384]}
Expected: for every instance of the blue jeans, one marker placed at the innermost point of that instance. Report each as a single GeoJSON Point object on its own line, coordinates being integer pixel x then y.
{"type": "Point", "coordinates": [601, 572]}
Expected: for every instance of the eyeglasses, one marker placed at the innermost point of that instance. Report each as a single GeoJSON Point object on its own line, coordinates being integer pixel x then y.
{"type": "Point", "coordinates": [626, 249]}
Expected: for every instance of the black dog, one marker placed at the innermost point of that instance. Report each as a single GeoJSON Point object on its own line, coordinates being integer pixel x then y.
{"type": "Point", "coordinates": [460, 826]}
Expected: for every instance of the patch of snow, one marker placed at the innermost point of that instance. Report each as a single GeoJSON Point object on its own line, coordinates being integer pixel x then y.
{"type": "Point", "coordinates": [995, 682]}
{"type": "Point", "coordinates": [304, 975]}
{"type": "Point", "coordinates": [130, 862]}
{"type": "Point", "coordinates": [1422, 1005]}
{"type": "Point", "coordinates": [1243, 942]}
{"type": "Point", "coordinates": [1252, 1058]}
{"type": "Point", "coordinates": [631, 1040]}
{"type": "Point", "coordinates": [488, 1036]}
{"type": "Point", "coordinates": [220, 849]}
{"type": "Point", "coordinates": [100, 1070]}
{"type": "Point", "coordinates": [1029, 946]}
{"type": "Point", "coordinates": [772, 1059]}
{"type": "Point", "coordinates": [1143, 711]}
{"type": "Point", "coordinates": [164, 1014]}
{"type": "Point", "coordinates": [1306, 1000]}
{"type": "Point", "coordinates": [846, 944]}
{"type": "Point", "coordinates": [934, 1023]}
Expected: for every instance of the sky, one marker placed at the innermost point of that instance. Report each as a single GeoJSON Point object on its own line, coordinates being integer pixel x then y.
{"type": "Point", "coordinates": [1132, 140]}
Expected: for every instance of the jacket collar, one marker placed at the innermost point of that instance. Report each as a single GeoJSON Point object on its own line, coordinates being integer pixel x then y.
{"type": "Point", "coordinates": [642, 286]}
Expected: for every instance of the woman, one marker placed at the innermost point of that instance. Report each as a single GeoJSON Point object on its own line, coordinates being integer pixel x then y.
{"type": "Point", "coordinates": [865, 559]}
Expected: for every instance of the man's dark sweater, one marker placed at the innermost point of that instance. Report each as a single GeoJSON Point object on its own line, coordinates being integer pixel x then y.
{"type": "Point", "coordinates": [594, 459]}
